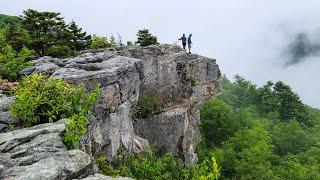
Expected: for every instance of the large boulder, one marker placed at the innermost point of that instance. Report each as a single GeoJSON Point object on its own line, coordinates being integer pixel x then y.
{"type": "Point", "coordinates": [38, 153]}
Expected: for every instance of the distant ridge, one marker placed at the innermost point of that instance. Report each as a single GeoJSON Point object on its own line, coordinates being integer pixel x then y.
{"type": "Point", "coordinates": [6, 19]}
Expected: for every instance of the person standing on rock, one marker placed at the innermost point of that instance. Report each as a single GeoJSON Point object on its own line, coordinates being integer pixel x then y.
{"type": "Point", "coordinates": [189, 43]}
{"type": "Point", "coordinates": [184, 41]}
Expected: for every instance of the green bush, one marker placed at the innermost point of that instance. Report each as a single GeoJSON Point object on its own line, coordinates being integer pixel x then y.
{"type": "Point", "coordinates": [11, 62]}
{"type": "Point", "coordinates": [148, 105]}
{"type": "Point", "coordinates": [75, 128]}
{"type": "Point", "coordinates": [207, 170]}
{"type": "Point", "coordinates": [145, 38]}
{"type": "Point", "coordinates": [41, 100]}
{"type": "Point", "coordinates": [101, 42]}
{"type": "Point", "coordinates": [143, 166]}
{"type": "Point", "coordinates": [149, 166]}
{"type": "Point", "coordinates": [60, 51]}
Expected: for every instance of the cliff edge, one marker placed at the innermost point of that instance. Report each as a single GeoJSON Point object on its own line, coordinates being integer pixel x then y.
{"type": "Point", "coordinates": [178, 81]}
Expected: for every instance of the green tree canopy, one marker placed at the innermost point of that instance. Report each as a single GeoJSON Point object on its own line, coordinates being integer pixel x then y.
{"type": "Point", "coordinates": [79, 40]}
{"type": "Point", "coordinates": [5, 20]}
{"type": "Point", "coordinates": [45, 29]}
{"type": "Point", "coordinates": [15, 36]}
{"type": "Point", "coordinates": [145, 38]}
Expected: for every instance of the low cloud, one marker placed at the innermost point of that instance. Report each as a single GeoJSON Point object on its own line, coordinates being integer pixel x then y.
{"type": "Point", "coordinates": [302, 48]}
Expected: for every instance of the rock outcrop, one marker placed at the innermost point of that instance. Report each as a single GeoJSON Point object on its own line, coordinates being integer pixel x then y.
{"type": "Point", "coordinates": [38, 153]}
{"type": "Point", "coordinates": [6, 119]}
{"type": "Point", "coordinates": [181, 82]}
{"type": "Point", "coordinates": [119, 78]}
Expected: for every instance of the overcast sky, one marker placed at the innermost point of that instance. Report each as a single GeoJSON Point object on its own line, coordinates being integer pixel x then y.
{"type": "Point", "coordinates": [247, 37]}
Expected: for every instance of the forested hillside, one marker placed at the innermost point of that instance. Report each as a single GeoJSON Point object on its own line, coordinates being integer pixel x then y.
{"type": "Point", "coordinates": [5, 20]}
{"type": "Point", "coordinates": [261, 132]}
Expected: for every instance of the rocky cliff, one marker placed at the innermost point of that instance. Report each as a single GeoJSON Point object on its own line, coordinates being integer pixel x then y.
{"type": "Point", "coordinates": [181, 82]}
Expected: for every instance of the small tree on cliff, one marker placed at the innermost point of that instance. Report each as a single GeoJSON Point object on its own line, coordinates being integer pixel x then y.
{"type": "Point", "coordinates": [145, 38]}
{"type": "Point", "coordinates": [78, 39]}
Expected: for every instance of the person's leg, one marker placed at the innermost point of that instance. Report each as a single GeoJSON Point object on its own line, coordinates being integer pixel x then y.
{"type": "Point", "coordinates": [189, 47]}
{"type": "Point", "coordinates": [184, 45]}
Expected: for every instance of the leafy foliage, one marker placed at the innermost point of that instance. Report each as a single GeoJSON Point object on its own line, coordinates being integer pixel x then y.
{"type": "Point", "coordinates": [145, 38]}
{"type": "Point", "coordinates": [11, 62]}
{"type": "Point", "coordinates": [148, 105]}
{"type": "Point", "coordinates": [45, 29]}
{"type": "Point", "coordinates": [269, 135]}
{"type": "Point", "coordinates": [78, 40]}
{"type": "Point", "coordinates": [270, 98]}
{"type": "Point", "coordinates": [291, 138]}
{"type": "Point", "coordinates": [60, 51]}
{"type": "Point", "coordinates": [76, 127]}
{"type": "Point", "coordinates": [5, 20]}
{"type": "Point", "coordinates": [148, 166]}
{"type": "Point", "coordinates": [15, 36]}
{"type": "Point", "coordinates": [51, 35]}
{"type": "Point", "coordinates": [280, 98]}
{"type": "Point", "coordinates": [41, 100]}
{"type": "Point", "coordinates": [101, 42]}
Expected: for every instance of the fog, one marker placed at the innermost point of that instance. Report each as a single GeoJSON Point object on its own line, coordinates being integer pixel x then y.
{"type": "Point", "coordinates": [248, 37]}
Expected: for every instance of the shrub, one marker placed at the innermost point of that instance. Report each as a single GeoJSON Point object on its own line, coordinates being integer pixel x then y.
{"type": "Point", "coordinates": [149, 166]}
{"type": "Point", "coordinates": [11, 62]}
{"type": "Point", "coordinates": [145, 38]}
{"type": "Point", "coordinates": [148, 105]}
{"type": "Point", "coordinates": [207, 170]}
{"type": "Point", "coordinates": [41, 100]}
{"type": "Point", "coordinates": [60, 51]}
{"type": "Point", "coordinates": [143, 166]}
{"type": "Point", "coordinates": [101, 42]}
{"type": "Point", "coordinates": [75, 128]}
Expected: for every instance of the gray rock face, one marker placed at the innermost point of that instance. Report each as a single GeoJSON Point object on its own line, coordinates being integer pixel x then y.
{"type": "Point", "coordinates": [183, 82]}
{"type": "Point", "coordinates": [38, 153]}
{"type": "Point", "coordinates": [119, 78]}
{"type": "Point", "coordinates": [5, 102]}
{"type": "Point", "coordinates": [6, 118]}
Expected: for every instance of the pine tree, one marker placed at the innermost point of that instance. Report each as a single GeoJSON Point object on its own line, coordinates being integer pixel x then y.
{"type": "Point", "coordinates": [45, 29]}
{"type": "Point", "coordinates": [145, 38]}
{"type": "Point", "coordinates": [79, 40]}
{"type": "Point", "coordinates": [16, 36]}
